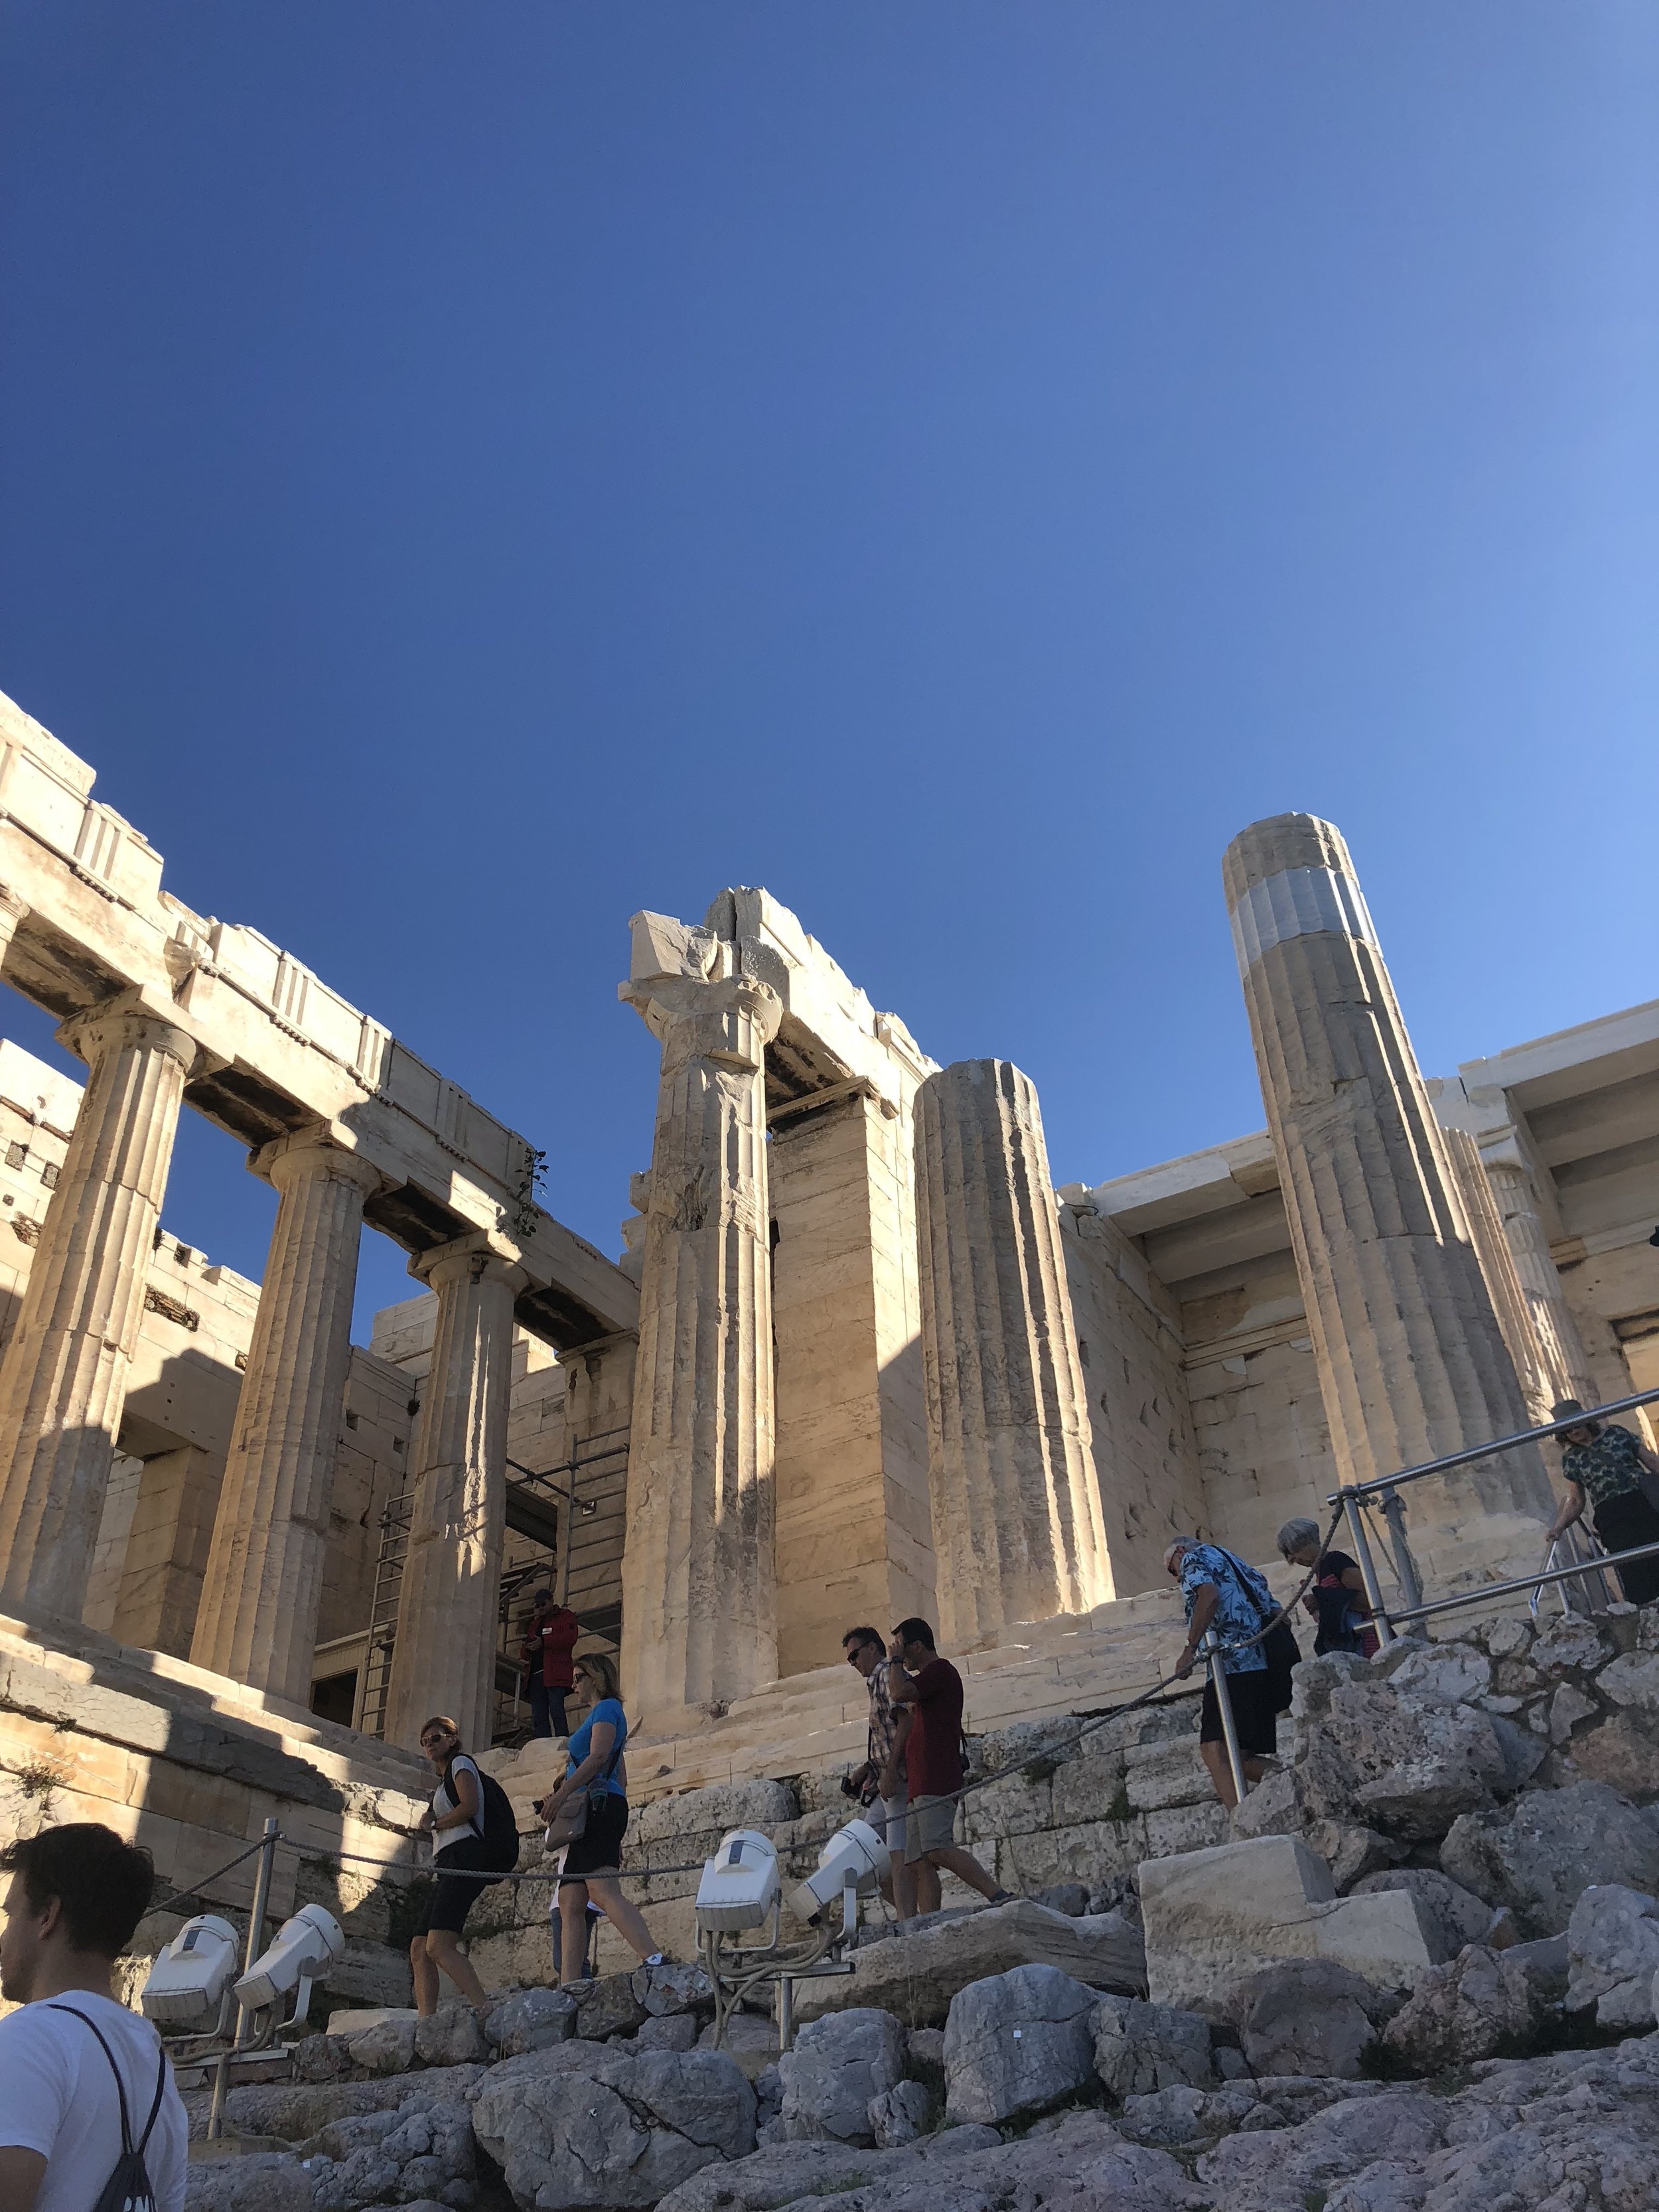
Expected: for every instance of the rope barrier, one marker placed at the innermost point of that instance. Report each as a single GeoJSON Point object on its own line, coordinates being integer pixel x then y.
{"type": "Point", "coordinates": [1093, 1722]}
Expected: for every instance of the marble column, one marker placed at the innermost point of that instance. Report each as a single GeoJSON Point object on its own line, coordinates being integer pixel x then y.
{"type": "Point", "coordinates": [444, 1658]}
{"type": "Point", "coordinates": [699, 1602]}
{"type": "Point", "coordinates": [1017, 1528]}
{"type": "Point", "coordinates": [1491, 1248]}
{"type": "Point", "coordinates": [1411, 1360]}
{"type": "Point", "coordinates": [1514, 1193]}
{"type": "Point", "coordinates": [63, 1380]}
{"type": "Point", "coordinates": [258, 1621]}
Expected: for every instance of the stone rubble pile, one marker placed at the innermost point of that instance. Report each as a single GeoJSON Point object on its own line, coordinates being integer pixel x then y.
{"type": "Point", "coordinates": [1248, 2023]}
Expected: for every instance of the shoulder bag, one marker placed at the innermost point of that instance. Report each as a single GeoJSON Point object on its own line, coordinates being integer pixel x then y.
{"type": "Point", "coordinates": [570, 1824]}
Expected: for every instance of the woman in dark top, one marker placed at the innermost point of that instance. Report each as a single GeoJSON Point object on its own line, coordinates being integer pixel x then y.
{"type": "Point", "coordinates": [1604, 1464]}
{"type": "Point", "coordinates": [1337, 1601]}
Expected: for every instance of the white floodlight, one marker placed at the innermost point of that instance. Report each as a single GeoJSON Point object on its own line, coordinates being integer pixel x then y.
{"type": "Point", "coordinates": [304, 1950]}
{"type": "Point", "coordinates": [185, 1989]}
{"type": "Point", "coordinates": [855, 1858]}
{"type": "Point", "coordinates": [739, 1885]}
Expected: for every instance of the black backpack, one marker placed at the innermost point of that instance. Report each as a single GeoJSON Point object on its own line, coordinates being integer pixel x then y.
{"type": "Point", "coordinates": [129, 2188]}
{"type": "Point", "coordinates": [500, 1824]}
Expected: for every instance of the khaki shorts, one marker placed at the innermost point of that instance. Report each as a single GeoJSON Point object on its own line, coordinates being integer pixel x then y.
{"type": "Point", "coordinates": [930, 1827]}
{"type": "Point", "coordinates": [887, 1816]}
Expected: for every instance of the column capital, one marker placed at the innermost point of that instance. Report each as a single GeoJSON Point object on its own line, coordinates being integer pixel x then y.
{"type": "Point", "coordinates": [731, 1020]}
{"type": "Point", "coordinates": [14, 910]}
{"type": "Point", "coordinates": [485, 1256]}
{"type": "Point", "coordinates": [315, 1151]}
{"type": "Point", "coordinates": [126, 1019]}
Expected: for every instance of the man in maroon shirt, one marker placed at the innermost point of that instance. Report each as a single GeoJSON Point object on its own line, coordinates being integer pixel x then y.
{"type": "Point", "coordinates": [548, 1670]}
{"type": "Point", "coordinates": [932, 1688]}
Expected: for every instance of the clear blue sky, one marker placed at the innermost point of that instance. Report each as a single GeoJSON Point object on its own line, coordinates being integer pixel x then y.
{"type": "Point", "coordinates": [470, 472]}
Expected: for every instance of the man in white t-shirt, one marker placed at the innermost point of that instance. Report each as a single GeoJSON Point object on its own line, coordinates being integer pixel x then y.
{"type": "Point", "coordinates": [77, 1893]}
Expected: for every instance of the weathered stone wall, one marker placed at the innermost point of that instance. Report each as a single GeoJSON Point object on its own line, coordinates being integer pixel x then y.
{"type": "Point", "coordinates": [1146, 1447]}
{"type": "Point", "coordinates": [191, 1767]}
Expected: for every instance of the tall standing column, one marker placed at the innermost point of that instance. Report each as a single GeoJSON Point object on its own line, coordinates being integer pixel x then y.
{"type": "Point", "coordinates": [1491, 1248]}
{"type": "Point", "coordinates": [1554, 1323]}
{"type": "Point", "coordinates": [1411, 1361]}
{"type": "Point", "coordinates": [699, 1602]}
{"type": "Point", "coordinates": [257, 1622]}
{"type": "Point", "coordinates": [1018, 1527]}
{"type": "Point", "coordinates": [63, 1380]}
{"type": "Point", "coordinates": [444, 1658]}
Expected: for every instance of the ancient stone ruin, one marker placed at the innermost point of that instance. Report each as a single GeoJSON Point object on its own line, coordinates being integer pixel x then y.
{"type": "Point", "coordinates": [859, 1360]}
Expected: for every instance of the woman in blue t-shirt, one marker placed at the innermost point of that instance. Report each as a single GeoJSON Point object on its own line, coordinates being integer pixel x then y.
{"type": "Point", "coordinates": [592, 1866]}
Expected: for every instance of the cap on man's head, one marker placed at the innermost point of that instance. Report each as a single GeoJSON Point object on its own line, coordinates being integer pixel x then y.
{"type": "Point", "coordinates": [1174, 1553]}
{"type": "Point", "coordinates": [541, 1597]}
{"type": "Point", "coordinates": [1563, 1408]}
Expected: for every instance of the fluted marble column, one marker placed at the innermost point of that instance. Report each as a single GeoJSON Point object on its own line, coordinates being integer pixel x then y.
{"type": "Point", "coordinates": [63, 1380]}
{"type": "Point", "coordinates": [257, 1622]}
{"type": "Point", "coordinates": [444, 1658]}
{"type": "Point", "coordinates": [699, 1603]}
{"type": "Point", "coordinates": [1411, 1361]}
{"type": "Point", "coordinates": [1018, 1527]}
{"type": "Point", "coordinates": [1554, 1323]}
{"type": "Point", "coordinates": [1491, 1248]}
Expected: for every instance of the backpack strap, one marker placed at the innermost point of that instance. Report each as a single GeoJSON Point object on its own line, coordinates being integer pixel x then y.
{"type": "Point", "coordinates": [127, 2146]}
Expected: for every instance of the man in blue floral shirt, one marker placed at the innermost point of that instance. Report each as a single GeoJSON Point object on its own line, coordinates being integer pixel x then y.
{"type": "Point", "coordinates": [1221, 1593]}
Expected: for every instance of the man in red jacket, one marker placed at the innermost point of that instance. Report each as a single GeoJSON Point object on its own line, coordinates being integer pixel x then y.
{"type": "Point", "coordinates": [548, 1643]}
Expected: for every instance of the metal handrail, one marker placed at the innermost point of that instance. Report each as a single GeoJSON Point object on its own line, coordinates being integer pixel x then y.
{"type": "Point", "coordinates": [1498, 1445]}
{"type": "Point", "coordinates": [1483, 1591]}
{"type": "Point", "coordinates": [1352, 1496]}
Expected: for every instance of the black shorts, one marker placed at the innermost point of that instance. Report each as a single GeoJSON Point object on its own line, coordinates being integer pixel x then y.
{"type": "Point", "coordinates": [1255, 1700]}
{"type": "Point", "coordinates": [597, 1849]}
{"type": "Point", "coordinates": [453, 1894]}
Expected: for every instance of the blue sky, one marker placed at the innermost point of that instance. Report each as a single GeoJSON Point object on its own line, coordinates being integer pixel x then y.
{"type": "Point", "coordinates": [466, 474]}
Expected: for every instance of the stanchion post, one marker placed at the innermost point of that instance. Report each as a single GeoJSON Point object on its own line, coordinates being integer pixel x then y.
{"type": "Point", "coordinates": [256, 1943]}
{"type": "Point", "coordinates": [1224, 1706]}
{"type": "Point", "coordinates": [1405, 1567]}
{"type": "Point", "coordinates": [1362, 1551]}
{"type": "Point", "coordinates": [785, 2013]}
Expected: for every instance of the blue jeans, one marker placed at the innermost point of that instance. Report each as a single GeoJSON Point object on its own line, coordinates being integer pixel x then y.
{"type": "Point", "coordinates": [547, 1709]}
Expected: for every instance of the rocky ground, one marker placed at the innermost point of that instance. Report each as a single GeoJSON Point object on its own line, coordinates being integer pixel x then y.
{"type": "Point", "coordinates": [1417, 1975]}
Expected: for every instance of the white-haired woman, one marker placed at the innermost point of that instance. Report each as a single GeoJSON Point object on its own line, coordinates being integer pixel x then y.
{"type": "Point", "coordinates": [1337, 1601]}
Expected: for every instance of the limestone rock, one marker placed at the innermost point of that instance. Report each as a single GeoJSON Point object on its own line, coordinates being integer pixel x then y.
{"type": "Point", "coordinates": [1572, 1641]}
{"type": "Point", "coordinates": [452, 2036]}
{"type": "Point", "coordinates": [838, 2066]}
{"type": "Point", "coordinates": [297, 2111]}
{"type": "Point", "coordinates": [622, 2132]}
{"type": "Point", "coordinates": [1440, 1674]}
{"type": "Point", "coordinates": [424, 2149]}
{"type": "Point", "coordinates": [750, 2041]}
{"type": "Point", "coordinates": [1349, 1852]}
{"type": "Point", "coordinates": [1017, 2042]}
{"type": "Point", "coordinates": [1078, 2159]}
{"type": "Point", "coordinates": [266, 2182]}
{"type": "Point", "coordinates": [1141, 2048]}
{"type": "Point", "coordinates": [668, 2032]}
{"type": "Point", "coordinates": [924, 2050]}
{"type": "Point", "coordinates": [322, 2058]}
{"type": "Point", "coordinates": [1540, 1854]}
{"type": "Point", "coordinates": [915, 1977]}
{"type": "Point", "coordinates": [1397, 1761]}
{"type": "Point", "coordinates": [1459, 1917]}
{"type": "Point", "coordinates": [387, 2047]}
{"type": "Point", "coordinates": [902, 2114]}
{"type": "Point", "coordinates": [1253, 2170]}
{"type": "Point", "coordinates": [1612, 1948]}
{"type": "Point", "coordinates": [1307, 2017]}
{"type": "Point", "coordinates": [672, 1987]}
{"type": "Point", "coordinates": [1181, 2114]}
{"type": "Point", "coordinates": [530, 2021]}
{"type": "Point", "coordinates": [1567, 1708]}
{"type": "Point", "coordinates": [609, 2006]}
{"type": "Point", "coordinates": [1467, 2009]}
{"type": "Point", "coordinates": [1214, 1918]}
{"type": "Point", "coordinates": [1071, 1898]}
{"type": "Point", "coordinates": [1622, 1752]}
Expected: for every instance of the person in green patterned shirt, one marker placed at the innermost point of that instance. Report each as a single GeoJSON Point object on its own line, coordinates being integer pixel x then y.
{"type": "Point", "coordinates": [1604, 1464]}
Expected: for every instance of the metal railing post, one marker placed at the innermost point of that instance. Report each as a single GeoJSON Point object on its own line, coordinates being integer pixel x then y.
{"type": "Point", "coordinates": [1405, 1567]}
{"type": "Point", "coordinates": [1362, 1551]}
{"type": "Point", "coordinates": [1224, 1706]}
{"type": "Point", "coordinates": [255, 1945]}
